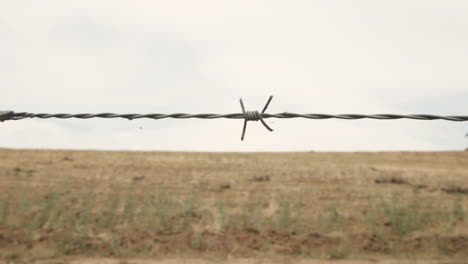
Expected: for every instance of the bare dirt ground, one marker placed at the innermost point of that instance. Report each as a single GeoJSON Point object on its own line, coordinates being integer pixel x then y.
{"type": "Point", "coordinates": [166, 207]}
{"type": "Point", "coordinates": [243, 261]}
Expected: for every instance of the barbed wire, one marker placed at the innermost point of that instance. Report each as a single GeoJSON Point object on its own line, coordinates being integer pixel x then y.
{"type": "Point", "coordinates": [246, 115]}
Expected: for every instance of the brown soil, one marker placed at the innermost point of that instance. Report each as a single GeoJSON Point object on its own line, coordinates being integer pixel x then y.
{"type": "Point", "coordinates": [327, 194]}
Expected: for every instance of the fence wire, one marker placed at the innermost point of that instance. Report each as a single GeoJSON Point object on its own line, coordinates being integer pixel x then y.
{"type": "Point", "coordinates": [246, 115]}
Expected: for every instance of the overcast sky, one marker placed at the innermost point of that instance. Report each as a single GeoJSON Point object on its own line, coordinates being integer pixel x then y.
{"type": "Point", "coordinates": [324, 56]}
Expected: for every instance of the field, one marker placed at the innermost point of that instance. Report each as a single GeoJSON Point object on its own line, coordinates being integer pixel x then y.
{"type": "Point", "coordinates": [174, 207]}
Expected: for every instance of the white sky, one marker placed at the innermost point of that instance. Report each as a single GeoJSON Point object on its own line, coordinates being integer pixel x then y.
{"type": "Point", "coordinates": [325, 56]}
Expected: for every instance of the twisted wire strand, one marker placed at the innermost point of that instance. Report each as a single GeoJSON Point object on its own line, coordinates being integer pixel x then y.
{"type": "Point", "coordinates": [246, 115]}
{"type": "Point", "coordinates": [23, 115]}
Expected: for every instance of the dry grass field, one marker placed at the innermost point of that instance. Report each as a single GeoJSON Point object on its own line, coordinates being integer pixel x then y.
{"type": "Point", "coordinates": [167, 207]}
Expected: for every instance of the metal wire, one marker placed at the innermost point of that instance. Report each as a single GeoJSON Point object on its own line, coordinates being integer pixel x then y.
{"type": "Point", "coordinates": [23, 115]}
{"type": "Point", "coordinates": [246, 115]}
{"type": "Point", "coordinates": [254, 116]}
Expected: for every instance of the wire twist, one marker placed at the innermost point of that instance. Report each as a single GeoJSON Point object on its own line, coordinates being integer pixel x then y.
{"type": "Point", "coordinates": [5, 115]}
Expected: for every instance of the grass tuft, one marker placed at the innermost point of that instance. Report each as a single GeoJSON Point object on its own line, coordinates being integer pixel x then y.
{"type": "Point", "coordinates": [284, 215]}
{"type": "Point", "coordinates": [44, 214]}
{"type": "Point", "coordinates": [163, 205]}
{"type": "Point", "coordinates": [5, 209]}
{"type": "Point", "coordinates": [86, 208]}
{"type": "Point", "coordinates": [331, 219]}
{"type": "Point", "coordinates": [109, 218]}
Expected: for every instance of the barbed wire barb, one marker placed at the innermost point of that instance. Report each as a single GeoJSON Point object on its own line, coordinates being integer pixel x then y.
{"type": "Point", "coordinates": [254, 116]}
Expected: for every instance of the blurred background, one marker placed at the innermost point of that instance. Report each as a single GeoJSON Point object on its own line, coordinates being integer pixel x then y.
{"type": "Point", "coordinates": [334, 57]}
